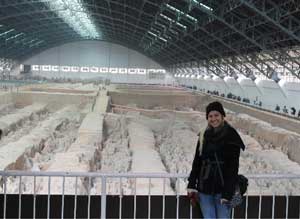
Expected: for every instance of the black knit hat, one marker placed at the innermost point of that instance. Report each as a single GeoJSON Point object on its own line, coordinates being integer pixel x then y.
{"type": "Point", "coordinates": [215, 106]}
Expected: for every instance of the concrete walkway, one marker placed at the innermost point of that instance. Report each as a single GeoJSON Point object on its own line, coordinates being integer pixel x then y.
{"type": "Point", "coordinates": [145, 159]}
{"type": "Point", "coordinates": [80, 157]}
{"type": "Point", "coordinates": [101, 104]}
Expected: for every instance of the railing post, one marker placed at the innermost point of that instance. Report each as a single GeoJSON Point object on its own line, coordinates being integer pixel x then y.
{"type": "Point", "coordinates": [103, 197]}
{"type": "Point", "coordinates": [4, 194]}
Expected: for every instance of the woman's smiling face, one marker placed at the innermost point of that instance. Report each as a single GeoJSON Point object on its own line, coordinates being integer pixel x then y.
{"type": "Point", "coordinates": [215, 119]}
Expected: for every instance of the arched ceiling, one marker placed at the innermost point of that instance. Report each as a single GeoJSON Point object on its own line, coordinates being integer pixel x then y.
{"type": "Point", "coordinates": [168, 31]}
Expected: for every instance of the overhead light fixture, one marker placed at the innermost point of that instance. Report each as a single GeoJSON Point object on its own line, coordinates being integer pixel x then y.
{"type": "Point", "coordinates": [159, 24]}
{"type": "Point", "coordinates": [191, 18]}
{"type": "Point", "coordinates": [155, 30]}
{"type": "Point", "coordinates": [182, 13]}
{"type": "Point", "coordinates": [202, 5]}
{"type": "Point", "coordinates": [75, 15]}
{"type": "Point", "coordinates": [28, 42]}
{"type": "Point", "coordinates": [18, 37]}
{"type": "Point", "coordinates": [163, 39]}
{"type": "Point", "coordinates": [153, 34]}
{"type": "Point", "coordinates": [15, 36]}
{"type": "Point", "coordinates": [206, 7]}
{"type": "Point", "coordinates": [167, 18]}
{"type": "Point", "coordinates": [173, 21]}
{"type": "Point", "coordinates": [159, 37]}
{"type": "Point", "coordinates": [36, 43]}
{"type": "Point", "coordinates": [6, 32]}
{"type": "Point", "coordinates": [173, 31]}
{"type": "Point", "coordinates": [181, 25]}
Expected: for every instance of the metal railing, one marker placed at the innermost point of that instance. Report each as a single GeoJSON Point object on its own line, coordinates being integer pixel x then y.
{"type": "Point", "coordinates": [19, 178]}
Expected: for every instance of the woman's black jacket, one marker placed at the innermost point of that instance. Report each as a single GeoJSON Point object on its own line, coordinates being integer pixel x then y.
{"type": "Point", "coordinates": [223, 145]}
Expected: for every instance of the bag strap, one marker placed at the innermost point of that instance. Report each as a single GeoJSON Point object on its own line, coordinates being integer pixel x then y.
{"type": "Point", "coordinates": [219, 169]}
{"type": "Point", "coordinates": [201, 140]}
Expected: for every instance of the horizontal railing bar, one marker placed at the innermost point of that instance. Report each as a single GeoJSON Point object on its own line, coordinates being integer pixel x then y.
{"type": "Point", "coordinates": [133, 175]}
{"type": "Point", "coordinates": [92, 174]}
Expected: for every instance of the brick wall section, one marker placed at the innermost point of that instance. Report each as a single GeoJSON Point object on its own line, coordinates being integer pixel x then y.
{"type": "Point", "coordinates": [55, 101]}
{"type": "Point", "coordinates": [167, 101]}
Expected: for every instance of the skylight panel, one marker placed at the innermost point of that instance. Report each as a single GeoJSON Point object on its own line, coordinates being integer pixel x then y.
{"type": "Point", "coordinates": [75, 15]}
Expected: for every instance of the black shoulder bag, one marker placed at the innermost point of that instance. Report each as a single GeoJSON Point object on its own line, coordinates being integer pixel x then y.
{"type": "Point", "coordinates": [240, 187]}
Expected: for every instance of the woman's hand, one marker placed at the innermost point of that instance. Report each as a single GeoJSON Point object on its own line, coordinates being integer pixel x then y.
{"type": "Point", "coordinates": [193, 196]}
{"type": "Point", "coordinates": [224, 201]}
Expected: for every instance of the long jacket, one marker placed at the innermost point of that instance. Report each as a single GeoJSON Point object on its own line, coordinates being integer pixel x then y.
{"type": "Point", "coordinates": [218, 146]}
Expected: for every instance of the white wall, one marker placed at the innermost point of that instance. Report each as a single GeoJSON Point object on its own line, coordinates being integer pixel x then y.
{"type": "Point", "coordinates": [272, 94]}
{"type": "Point", "coordinates": [92, 53]}
{"type": "Point", "coordinates": [268, 91]}
{"type": "Point", "coordinates": [234, 87]}
{"type": "Point", "coordinates": [292, 91]}
{"type": "Point", "coordinates": [220, 85]}
{"type": "Point", "coordinates": [97, 54]}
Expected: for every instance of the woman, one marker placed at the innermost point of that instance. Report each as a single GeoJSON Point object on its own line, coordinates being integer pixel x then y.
{"type": "Point", "coordinates": [215, 166]}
